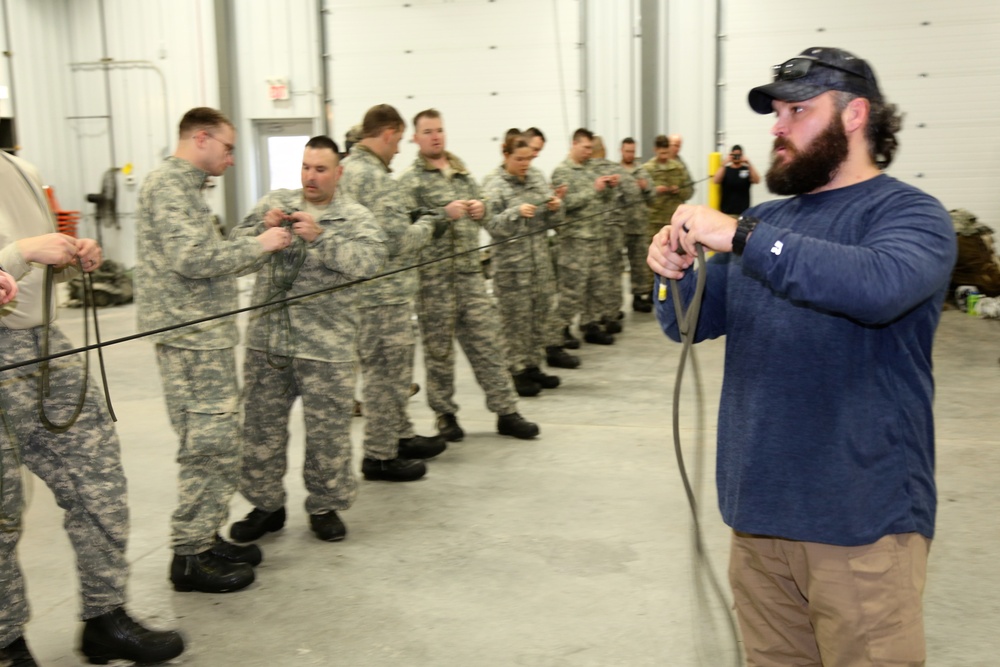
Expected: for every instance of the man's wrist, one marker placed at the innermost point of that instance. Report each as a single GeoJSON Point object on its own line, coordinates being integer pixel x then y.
{"type": "Point", "coordinates": [744, 227]}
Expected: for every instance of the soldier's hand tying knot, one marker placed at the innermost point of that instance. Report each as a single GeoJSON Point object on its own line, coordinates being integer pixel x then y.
{"type": "Point", "coordinates": [274, 239]}
{"type": "Point", "coordinates": [305, 226]}
{"type": "Point", "coordinates": [476, 209]}
{"type": "Point", "coordinates": [456, 209]}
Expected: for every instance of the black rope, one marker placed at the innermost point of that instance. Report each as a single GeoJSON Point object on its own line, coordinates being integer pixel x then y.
{"type": "Point", "coordinates": [307, 295]}
{"type": "Point", "coordinates": [44, 371]}
{"type": "Point", "coordinates": [687, 323]}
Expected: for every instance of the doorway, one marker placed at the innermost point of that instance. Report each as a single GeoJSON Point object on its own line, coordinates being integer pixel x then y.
{"type": "Point", "coordinates": [279, 149]}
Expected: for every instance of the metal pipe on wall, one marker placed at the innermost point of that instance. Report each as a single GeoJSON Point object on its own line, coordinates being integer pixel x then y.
{"type": "Point", "coordinates": [107, 65]}
{"type": "Point", "coordinates": [9, 55]}
{"type": "Point", "coordinates": [105, 58]}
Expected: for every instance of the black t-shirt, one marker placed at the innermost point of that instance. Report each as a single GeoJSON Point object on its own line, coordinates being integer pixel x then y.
{"type": "Point", "coordinates": [735, 190]}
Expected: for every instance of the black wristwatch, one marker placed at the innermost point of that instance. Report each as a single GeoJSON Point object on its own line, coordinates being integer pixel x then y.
{"type": "Point", "coordinates": [744, 225]}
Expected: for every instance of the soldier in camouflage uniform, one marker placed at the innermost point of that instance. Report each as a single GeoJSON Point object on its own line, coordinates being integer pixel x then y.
{"type": "Point", "coordinates": [80, 461]}
{"type": "Point", "coordinates": [583, 269]}
{"type": "Point", "coordinates": [520, 203]}
{"type": "Point", "coordinates": [625, 195]}
{"type": "Point", "coordinates": [671, 186]}
{"type": "Point", "coordinates": [637, 232]}
{"type": "Point", "coordinates": [393, 452]}
{"type": "Point", "coordinates": [453, 301]}
{"type": "Point", "coordinates": [185, 271]}
{"type": "Point", "coordinates": [305, 348]}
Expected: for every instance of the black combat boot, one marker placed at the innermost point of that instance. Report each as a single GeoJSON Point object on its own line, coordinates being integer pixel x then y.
{"type": "Point", "coordinates": [328, 526]}
{"type": "Point", "coordinates": [557, 357]}
{"type": "Point", "coordinates": [593, 333]}
{"type": "Point", "coordinates": [448, 428]}
{"type": "Point", "coordinates": [421, 447]}
{"type": "Point", "coordinates": [115, 636]}
{"type": "Point", "coordinates": [392, 470]}
{"type": "Point", "coordinates": [641, 303]}
{"type": "Point", "coordinates": [517, 426]}
{"type": "Point", "coordinates": [526, 386]}
{"type": "Point", "coordinates": [570, 342]}
{"type": "Point", "coordinates": [237, 553]}
{"type": "Point", "coordinates": [611, 325]}
{"type": "Point", "coordinates": [545, 380]}
{"type": "Point", "coordinates": [209, 573]}
{"type": "Point", "coordinates": [16, 654]}
{"type": "Point", "coordinates": [257, 524]}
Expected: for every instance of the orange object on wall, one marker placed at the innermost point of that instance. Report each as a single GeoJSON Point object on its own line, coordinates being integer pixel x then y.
{"type": "Point", "coordinates": [66, 221]}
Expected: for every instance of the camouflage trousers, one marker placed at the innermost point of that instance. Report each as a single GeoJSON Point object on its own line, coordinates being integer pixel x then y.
{"type": "Point", "coordinates": [385, 348]}
{"type": "Point", "coordinates": [527, 301]}
{"type": "Point", "coordinates": [82, 467]}
{"type": "Point", "coordinates": [202, 396]}
{"type": "Point", "coordinates": [583, 274]}
{"type": "Point", "coordinates": [455, 306]}
{"type": "Point", "coordinates": [640, 276]}
{"type": "Point", "coordinates": [327, 391]}
{"type": "Point", "coordinates": [611, 294]}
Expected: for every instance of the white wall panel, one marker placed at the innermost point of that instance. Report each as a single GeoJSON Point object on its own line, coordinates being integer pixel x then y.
{"type": "Point", "coordinates": [613, 72]}
{"type": "Point", "coordinates": [487, 66]}
{"type": "Point", "coordinates": [940, 62]}
{"type": "Point", "coordinates": [163, 63]}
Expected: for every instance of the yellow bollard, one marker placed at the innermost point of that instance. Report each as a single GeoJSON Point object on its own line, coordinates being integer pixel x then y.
{"type": "Point", "coordinates": [714, 190]}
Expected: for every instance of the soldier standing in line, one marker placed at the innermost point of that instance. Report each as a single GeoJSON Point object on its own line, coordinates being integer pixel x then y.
{"type": "Point", "coordinates": [636, 232]}
{"type": "Point", "coordinates": [80, 461]}
{"type": "Point", "coordinates": [185, 271]}
{"type": "Point", "coordinates": [453, 302]}
{"type": "Point", "coordinates": [625, 192]}
{"type": "Point", "coordinates": [386, 337]}
{"type": "Point", "coordinates": [521, 203]}
{"type": "Point", "coordinates": [582, 267]}
{"type": "Point", "coordinates": [671, 186]}
{"type": "Point", "coordinates": [305, 348]}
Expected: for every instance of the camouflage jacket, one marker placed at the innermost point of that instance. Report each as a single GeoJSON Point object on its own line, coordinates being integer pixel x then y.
{"type": "Point", "coordinates": [504, 195]}
{"type": "Point", "coordinates": [672, 172]}
{"type": "Point", "coordinates": [184, 269]}
{"type": "Point", "coordinates": [639, 212]}
{"type": "Point", "coordinates": [584, 205]}
{"type": "Point", "coordinates": [366, 179]}
{"type": "Point", "coordinates": [322, 327]}
{"type": "Point", "coordinates": [624, 197]}
{"type": "Point", "coordinates": [431, 190]}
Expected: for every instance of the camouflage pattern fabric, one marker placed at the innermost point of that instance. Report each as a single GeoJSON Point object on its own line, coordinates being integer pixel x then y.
{"type": "Point", "coordinates": [581, 261]}
{"type": "Point", "coordinates": [366, 179]}
{"type": "Point", "coordinates": [636, 235]}
{"type": "Point", "coordinates": [184, 269]}
{"type": "Point", "coordinates": [626, 198]}
{"type": "Point", "coordinates": [327, 391]}
{"type": "Point", "coordinates": [201, 392]}
{"type": "Point", "coordinates": [452, 302]}
{"type": "Point", "coordinates": [524, 280]}
{"type": "Point", "coordinates": [431, 190]}
{"type": "Point", "coordinates": [662, 207]}
{"type": "Point", "coordinates": [385, 348]}
{"type": "Point", "coordinates": [323, 327]}
{"type": "Point", "coordinates": [584, 205]}
{"type": "Point", "coordinates": [456, 307]}
{"type": "Point", "coordinates": [583, 277]}
{"type": "Point", "coordinates": [82, 467]}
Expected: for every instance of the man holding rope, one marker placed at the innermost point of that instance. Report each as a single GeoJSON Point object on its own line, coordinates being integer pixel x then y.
{"type": "Point", "coordinates": [78, 459]}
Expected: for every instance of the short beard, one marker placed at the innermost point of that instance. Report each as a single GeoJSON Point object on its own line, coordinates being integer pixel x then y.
{"type": "Point", "coordinates": [812, 167]}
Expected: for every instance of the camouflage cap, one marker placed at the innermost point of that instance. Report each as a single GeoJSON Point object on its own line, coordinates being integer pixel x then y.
{"type": "Point", "coordinates": [814, 71]}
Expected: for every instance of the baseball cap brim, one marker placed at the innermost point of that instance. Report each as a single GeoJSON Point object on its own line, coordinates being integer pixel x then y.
{"type": "Point", "coordinates": [760, 98]}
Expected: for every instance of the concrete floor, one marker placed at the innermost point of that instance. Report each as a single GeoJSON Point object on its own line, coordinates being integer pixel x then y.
{"type": "Point", "coordinates": [571, 550]}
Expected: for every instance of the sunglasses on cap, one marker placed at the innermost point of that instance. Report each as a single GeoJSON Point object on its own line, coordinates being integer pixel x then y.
{"type": "Point", "coordinates": [799, 66]}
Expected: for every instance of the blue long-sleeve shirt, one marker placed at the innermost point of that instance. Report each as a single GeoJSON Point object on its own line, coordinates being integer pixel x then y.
{"type": "Point", "coordinates": [826, 429]}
